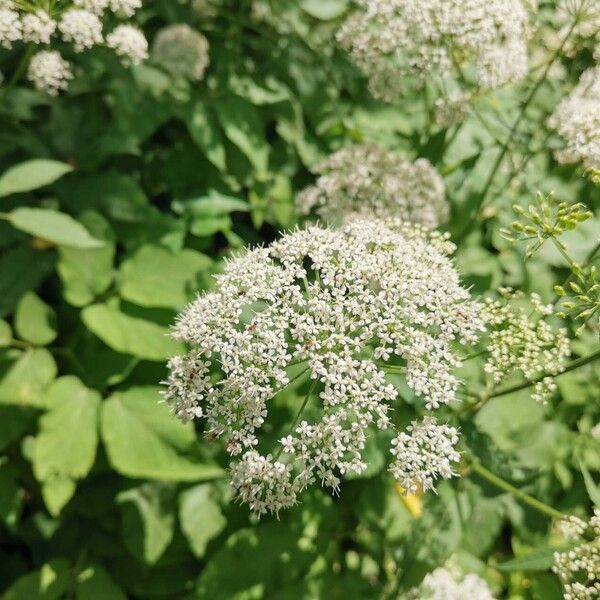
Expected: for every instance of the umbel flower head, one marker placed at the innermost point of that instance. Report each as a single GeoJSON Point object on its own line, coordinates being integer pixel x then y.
{"type": "Point", "coordinates": [522, 340]}
{"type": "Point", "coordinates": [182, 51]}
{"type": "Point", "coordinates": [337, 309]}
{"type": "Point", "coordinates": [579, 568]}
{"type": "Point", "coordinates": [368, 180]}
{"type": "Point", "coordinates": [441, 584]}
{"type": "Point", "coordinates": [391, 40]}
{"type": "Point", "coordinates": [577, 121]}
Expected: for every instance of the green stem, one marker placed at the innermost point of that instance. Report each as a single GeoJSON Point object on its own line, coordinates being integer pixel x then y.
{"type": "Point", "coordinates": [513, 131]}
{"type": "Point", "coordinates": [580, 362]}
{"type": "Point", "coordinates": [484, 473]}
{"type": "Point", "coordinates": [18, 73]}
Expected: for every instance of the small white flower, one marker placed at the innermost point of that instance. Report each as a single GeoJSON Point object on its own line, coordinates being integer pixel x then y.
{"type": "Point", "coordinates": [442, 585]}
{"type": "Point", "coordinates": [126, 8]}
{"type": "Point", "coordinates": [38, 27]}
{"type": "Point", "coordinates": [49, 72]}
{"type": "Point", "coordinates": [129, 43]}
{"type": "Point", "coordinates": [10, 26]}
{"type": "Point", "coordinates": [94, 6]}
{"type": "Point", "coordinates": [81, 27]}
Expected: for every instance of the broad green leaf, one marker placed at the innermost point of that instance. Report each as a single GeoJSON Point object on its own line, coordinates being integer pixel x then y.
{"type": "Point", "coordinates": [142, 277]}
{"type": "Point", "coordinates": [200, 516]}
{"type": "Point", "coordinates": [53, 226]}
{"type": "Point", "coordinates": [5, 334]}
{"type": "Point", "coordinates": [31, 175]}
{"type": "Point", "coordinates": [22, 269]}
{"type": "Point", "coordinates": [148, 518]}
{"type": "Point", "coordinates": [144, 440]}
{"type": "Point", "coordinates": [214, 204]}
{"type": "Point", "coordinates": [65, 448]}
{"type": "Point", "coordinates": [538, 560]}
{"type": "Point", "coordinates": [592, 489]}
{"type": "Point", "coordinates": [205, 132]}
{"type": "Point", "coordinates": [56, 492]}
{"type": "Point", "coordinates": [24, 377]}
{"type": "Point", "coordinates": [129, 335]}
{"type": "Point", "coordinates": [324, 9]}
{"type": "Point", "coordinates": [85, 274]}
{"type": "Point", "coordinates": [243, 126]}
{"type": "Point", "coordinates": [95, 583]}
{"type": "Point", "coordinates": [35, 321]}
{"type": "Point", "coordinates": [51, 582]}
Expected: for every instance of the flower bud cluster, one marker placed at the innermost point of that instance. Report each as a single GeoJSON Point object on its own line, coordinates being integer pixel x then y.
{"type": "Point", "coordinates": [521, 340]}
{"type": "Point", "coordinates": [368, 180]}
{"type": "Point", "coordinates": [548, 220]}
{"type": "Point", "coordinates": [391, 40]}
{"type": "Point", "coordinates": [577, 120]}
{"type": "Point", "coordinates": [182, 51]}
{"type": "Point", "coordinates": [80, 24]}
{"type": "Point", "coordinates": [579, 568]}
{"type": "Point", "coordinates": [337, 308]}
{"type": "Point", "coordinates": [581, 298]}
{"type": "Point", "coordinates": [441, 584]}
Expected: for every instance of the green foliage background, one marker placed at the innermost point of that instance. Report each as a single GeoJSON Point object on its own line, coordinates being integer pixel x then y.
{"type": "Point", "coordinates": [104, 494]}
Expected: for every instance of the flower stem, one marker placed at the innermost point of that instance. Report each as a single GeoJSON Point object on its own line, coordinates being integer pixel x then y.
{"type": "Point", "coordinates": [18, 73]}
{"type": "Point", "coordinates": [513, 131]}
{"type": "Point", "coordinates": [484, 473]}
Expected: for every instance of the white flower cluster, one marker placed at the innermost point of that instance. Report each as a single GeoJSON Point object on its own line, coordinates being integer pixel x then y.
{"type": "Point", "coordinates": [391, 40]}
{"type": "Point", "coordinates": [368, 180]}
{"type": "Point", "coordinates": [453, 109]}
{"type": "Point", "coordinates": [442, 585]}
{"type": "Point", "coordinates": [182, 51]}
{"type": "Point", "coordinates": [577, 120]}
{"type": "Point", "coordinates": [584, 13]}
{"type": "Point", "coordinates": [81, 24]}
{"type": "Point", "coordinates": [423, 453]}
{"type": "Point", "coordinates": [337, 308]}
{"type": "Point", "coordinates": [579, 568]}
{"type": "Point", "coordinates": [521, 340]}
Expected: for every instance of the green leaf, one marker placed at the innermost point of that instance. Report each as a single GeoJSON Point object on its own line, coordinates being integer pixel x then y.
{"type": "Point", "coordinates": [35, 321]}
{"type": "Point", "coordinates": [205, 132]}
{"type": "Point", "coordinates": [95, 583]}
{"type": "Point", "coordinates": [243, 126]}
{"type": "Point", "coordinates": [5, 334]}
{"type": "Point", "coordinates": [324, 10]}
{"type": "Point", "coordinates": [592, 489]}
{"type": "Point", "coordinates": [25, 376]}
{"type": "Point", "coordinates": [53, 226]}
{"type": "Point", "coordinates": [144, 440]}
{"type": "Point", "coordinates": [56, 492]}
{"type": "Point", "coordinates": [214, 204]}
{"type": "Point", "coordinates": [85, 274]}
{"type": "Point", "coordinates": [130, 335]}
{"type": "Point", "coordinates": [31, 175]}
{"type": "Point", "coordinates": [142, 277]}
{"type": "Point", "coordinates": [14, 422]}
{"type": "Point", "coordinates": [148, 519]}
{"type": "Point", "coordinates": [51, 582]}
{"type": "Point", "coordinates": [201, 517]}
{"type": "Point", "coordinates": [65, 448]}
{"type": "Point", "coordinates": [538, 560]}
{"type": "Point", "coordinates": [22, 269]}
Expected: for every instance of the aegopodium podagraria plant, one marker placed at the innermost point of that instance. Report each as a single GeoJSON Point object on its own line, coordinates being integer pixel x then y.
{"type": "Point", "coordinates": [578, 568]}
{"type": "Point", "coordinates": [181, 51]}
{"type": "Point", "coordinates": [340, 309]}
{"type": "Point", "coordinates": [522, 340]}
{"type": "Point", "coordinates": [80, 23]}
{"type": "Point", "coordinates": [577, 121]}
{"type": "Point", "coordinates": [391, 40]}
{"type": "Point", "coordinates": [368, 180]}
{"type": "Point", "coordinates": [442, 584]}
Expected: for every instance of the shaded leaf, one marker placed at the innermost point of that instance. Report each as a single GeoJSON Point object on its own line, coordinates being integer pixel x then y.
{"type": "Point", "coordinates": [31, 175]}
{"type": "Point", "coordinates": [35, 321]}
